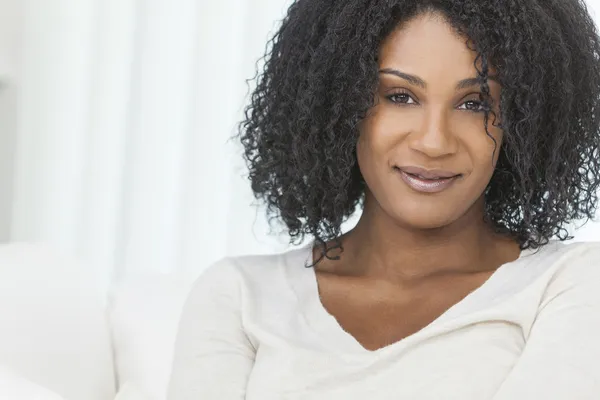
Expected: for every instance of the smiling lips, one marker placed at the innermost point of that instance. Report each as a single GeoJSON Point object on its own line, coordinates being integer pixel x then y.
{"type": "Point", "coordinates": [427, 181]}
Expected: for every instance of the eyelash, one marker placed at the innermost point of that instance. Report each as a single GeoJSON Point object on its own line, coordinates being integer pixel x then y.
{"type": "Point", "coordinates": [391, 97]}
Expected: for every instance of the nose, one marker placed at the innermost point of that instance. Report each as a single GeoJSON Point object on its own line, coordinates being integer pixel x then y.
{"type": "Point", "coordinates": [434, 138]}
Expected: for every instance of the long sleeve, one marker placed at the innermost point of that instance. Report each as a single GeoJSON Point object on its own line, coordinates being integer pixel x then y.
{"type": "Point", "coordinates": [561, 358]}
{"type": "Point", "coordinates": [213, 356]}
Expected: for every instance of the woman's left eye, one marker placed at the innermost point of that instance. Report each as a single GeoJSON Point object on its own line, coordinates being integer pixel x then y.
{"type": "Point", "coordinates": [472, 105]}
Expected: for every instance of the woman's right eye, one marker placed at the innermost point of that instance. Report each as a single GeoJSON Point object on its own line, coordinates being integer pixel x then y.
{"type": "Point", "coordinates": [401, 98]}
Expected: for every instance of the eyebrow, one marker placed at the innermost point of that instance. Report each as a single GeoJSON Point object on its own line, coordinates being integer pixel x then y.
{"type": "Point", "coordinates": [416, 81]}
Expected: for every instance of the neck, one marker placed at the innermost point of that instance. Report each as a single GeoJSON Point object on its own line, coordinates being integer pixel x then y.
{"type": "Point", "coordinates": [379, 248]}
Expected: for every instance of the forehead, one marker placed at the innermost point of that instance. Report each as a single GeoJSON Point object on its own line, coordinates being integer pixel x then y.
{"type": "Point", "coordinates": [430, 47]}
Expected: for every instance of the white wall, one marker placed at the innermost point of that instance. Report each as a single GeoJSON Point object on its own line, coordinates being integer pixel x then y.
{"type": "Point", "coordinates": [125, 108]}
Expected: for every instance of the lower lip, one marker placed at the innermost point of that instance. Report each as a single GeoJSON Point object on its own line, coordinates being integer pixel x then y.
{"type": "Point", "coordinates": [427, 186]}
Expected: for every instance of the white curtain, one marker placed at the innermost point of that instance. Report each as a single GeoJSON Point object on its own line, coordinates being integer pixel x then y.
{"type": "Point", "coordinates": [119, 150]}
{"type": "Point", "coordinates": [125, 109]}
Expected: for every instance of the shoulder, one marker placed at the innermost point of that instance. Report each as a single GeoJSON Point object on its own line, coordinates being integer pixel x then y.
{"type": "Point", "coordinates": [252, 272]}
{"type": "Point", "coordinates": [574, 259]}
{"type": "Point", "coordinates": [572, 272]}
{"type": "Point", "coordinates": [559, 257]}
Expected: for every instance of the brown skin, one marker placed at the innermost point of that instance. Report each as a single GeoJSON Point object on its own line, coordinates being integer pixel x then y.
{"type": "Point", "coordinates": [413, 255]}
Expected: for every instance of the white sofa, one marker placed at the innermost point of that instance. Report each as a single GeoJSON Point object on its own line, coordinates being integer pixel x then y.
{"type": "Point", "coordinates": [62, 337]}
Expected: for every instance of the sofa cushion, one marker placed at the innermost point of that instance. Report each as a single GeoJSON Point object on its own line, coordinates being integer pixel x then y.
{"type": "Point", "coordinates": [54, 326]}
{"type": "Point", "coordinates": [15, 387]}
{"type": "Point", "coordinates": [144, 314]}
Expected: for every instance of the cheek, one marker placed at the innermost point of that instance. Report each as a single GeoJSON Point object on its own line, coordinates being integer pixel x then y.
{"type": "Point", "coordinates": [378, 134]}
{"type": "Point", "coordinates": [485, 152]}
{"type": "Point", "coordinates": [495, 144]}
{"type": "Point", "coordinates": [364, 152]}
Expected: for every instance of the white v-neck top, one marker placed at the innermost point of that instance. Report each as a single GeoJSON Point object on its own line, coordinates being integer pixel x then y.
{"type": "Point", "coordinates": [254, 328]}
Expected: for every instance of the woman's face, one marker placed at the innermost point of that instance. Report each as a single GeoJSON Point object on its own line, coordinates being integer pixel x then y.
{"type": "Point", "coordinates": [423, 150]}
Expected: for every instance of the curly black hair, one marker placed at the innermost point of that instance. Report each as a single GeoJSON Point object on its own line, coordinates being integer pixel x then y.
{"type": "Point", "coordinates": [321, 70]}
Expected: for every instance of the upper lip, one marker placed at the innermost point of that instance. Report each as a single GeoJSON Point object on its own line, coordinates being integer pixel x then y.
{"type": "Point", "coordinates": [428, 173]}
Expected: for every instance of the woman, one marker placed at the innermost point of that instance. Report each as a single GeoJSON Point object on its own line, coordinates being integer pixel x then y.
{"type": "Point", "coordinates": [467, 131]}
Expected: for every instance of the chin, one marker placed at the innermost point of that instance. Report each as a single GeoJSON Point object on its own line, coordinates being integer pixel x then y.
{"type": "Point", "coordinates": [422, 218]}
{"type": "Point", "coordinates": [416, 222]}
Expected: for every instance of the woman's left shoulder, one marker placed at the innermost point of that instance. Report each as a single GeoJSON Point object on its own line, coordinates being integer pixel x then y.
{"type": "Point", "coordinates": [579, 253]}
{"type": "Point", "coordinates": [575, 263]}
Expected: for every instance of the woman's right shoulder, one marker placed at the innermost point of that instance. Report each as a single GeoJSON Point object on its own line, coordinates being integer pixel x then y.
{"type": "Point", "coordinates": [254, 271]}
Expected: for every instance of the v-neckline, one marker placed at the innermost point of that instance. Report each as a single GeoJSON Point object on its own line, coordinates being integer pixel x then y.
{"type": "Point", "coordinates": [327, 327]}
